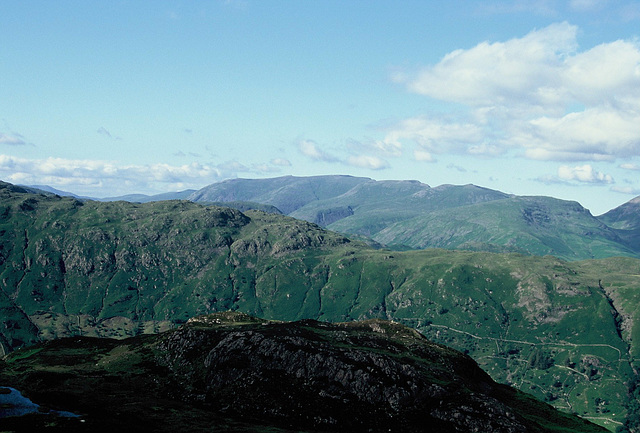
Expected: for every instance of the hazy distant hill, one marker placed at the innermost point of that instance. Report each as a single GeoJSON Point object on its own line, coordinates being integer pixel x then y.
{"type": "Point", "coordinates": [567, 332]}
{"type": "Point", "coordinates": [229, 372]}
{"type": "Point", "coordinates": [410, 214]}
{"type": "Point", "coordinates": [134, 198]}
{"type": "Point", "coordinates": [143, 198]}
{"type": "Point", "coordinates": [377, 204]}
{"type": "Point", "coordinates": [46, 190]}
{"type": "Point", "coordinates": [287, 193]}
{"type": "Point", "coordinates": [348, 204]}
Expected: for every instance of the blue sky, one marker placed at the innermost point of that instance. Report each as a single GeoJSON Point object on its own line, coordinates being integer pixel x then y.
{"type": "Point", "coordinates": [530, 97]}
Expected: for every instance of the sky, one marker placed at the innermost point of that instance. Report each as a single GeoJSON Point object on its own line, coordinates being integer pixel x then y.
{"type": "Point", "coordinates": [528, 97]}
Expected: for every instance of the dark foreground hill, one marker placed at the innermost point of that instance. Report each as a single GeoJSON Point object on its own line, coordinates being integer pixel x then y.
{"type": "Point", "coordinates": [566, 332]}
{"type": "Point", "coordinates": [232, 372]}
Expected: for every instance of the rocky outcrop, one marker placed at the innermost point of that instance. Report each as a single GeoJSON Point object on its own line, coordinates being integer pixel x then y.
{"type": "Point", "coordinates": [364, 376]}
{"type": "Point", "coordinates": [230, 372]}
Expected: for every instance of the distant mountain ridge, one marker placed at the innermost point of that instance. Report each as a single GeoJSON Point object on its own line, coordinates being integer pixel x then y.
{"type": "Point", "coordinates": [143, 198]}
{"type": "Point", "coordinates": [287, 193]}
{"type": "Point", "coordinates": [410, 214]}
{"type": "Point", "coordinates": [530, 225]}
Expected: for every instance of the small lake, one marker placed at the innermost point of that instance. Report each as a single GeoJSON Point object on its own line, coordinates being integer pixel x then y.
{"type": "Point", "coordinates": [13, 403]}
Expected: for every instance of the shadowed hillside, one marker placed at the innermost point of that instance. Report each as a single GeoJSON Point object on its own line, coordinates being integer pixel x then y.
{"type": "Point", "coordinates": [232, 372]}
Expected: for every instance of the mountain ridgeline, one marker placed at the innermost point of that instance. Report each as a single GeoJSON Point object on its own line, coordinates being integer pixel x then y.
{"type": "Point", "coordinates": [229, 372]}
{"type": "Point", "coordinates": [410, 215]}
{"type": "Point", "coordinates": [566, 332]}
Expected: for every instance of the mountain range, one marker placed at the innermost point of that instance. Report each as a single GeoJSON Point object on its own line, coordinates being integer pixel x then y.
{"type": "Point", "coordinates": [412, 215]}
{"type": "Point", "coordinates": [565, 332]}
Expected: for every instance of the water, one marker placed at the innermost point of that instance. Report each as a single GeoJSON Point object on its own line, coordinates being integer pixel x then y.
{"type": "Point", "coordinates": [13, 403]}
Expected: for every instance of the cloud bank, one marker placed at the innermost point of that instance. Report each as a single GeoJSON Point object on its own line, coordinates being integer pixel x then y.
{"type": "Point", "coordinates": [89, 177]}
{"type": "Point", "coordinates": [537, 96]}
{"type": "Point", "coordinates": [584, 173]}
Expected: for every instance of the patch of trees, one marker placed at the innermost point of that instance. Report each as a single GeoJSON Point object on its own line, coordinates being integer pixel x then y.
{"type": "Point", "coordinates": [632, 422]}
{"type": "Point", "coordinates": [540, 359]}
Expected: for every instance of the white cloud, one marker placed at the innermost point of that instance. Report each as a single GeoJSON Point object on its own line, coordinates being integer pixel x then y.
{"type": "Point", "coordinates": [367, 161]}
{"type": "Point", "coordinates": [538, 95]}
{"type": "Point", "coordinates": [12, 140]}
{"type": "Point", "coordinates": [422, 155]}
{"type": "Point", "coordinates": [499, 72]}
{"type": "Point", "coordinates": [593, 134]}
{"type": "Point", "coordinates": [630, 166]}
{"type": "Point", "coordinates": [310, 149]}
{"type": "Point", "coordinates": [364, 154]}
{"type": "Point", "coordinates": [584, 173]}
{"type": "Point", "coordinates": [626, 190]}
{"type": "Point", "coordinates": [588, 5]}
{"type": "Point", "coordinates": [390, 147]}
{"type": "Point", "coordinates": [110, 177]}
{"type": "Point", "coordinates": [282, 162]}
{"type": "Point", "coordinates": [434, 135]}
{"type": "Point", "coordinates": [606, 74]}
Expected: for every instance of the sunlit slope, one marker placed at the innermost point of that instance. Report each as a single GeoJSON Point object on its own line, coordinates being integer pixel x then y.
{"type": "Point", "coordinates": [287, 193]}
{"type": "Point", "coordinates": [409, 214]}
{"type": "Point", "coordinates": [376, 205]}
{"type": "Point", "coordinates": [531, 225]}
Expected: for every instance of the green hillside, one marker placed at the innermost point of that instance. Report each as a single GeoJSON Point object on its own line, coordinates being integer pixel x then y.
{"type": "Point", "coordinates": [530, 225]}
{"type": "Point", "coordinates": [376, 205]}
{"type": "Point", "coordinates": [625, 220]}
{"type": "Point", "coordinates": [563, 331]}
{"type": "Point", "coordinates": [410, 214]}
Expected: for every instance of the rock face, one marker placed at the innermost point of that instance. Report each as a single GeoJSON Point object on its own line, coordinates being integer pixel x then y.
{"type": "Point", "coordinates": [337, 377]}
{"type": "Point", "coordinates": [233, 372]}
{"type": "Point", "coordinates": [364, 376]}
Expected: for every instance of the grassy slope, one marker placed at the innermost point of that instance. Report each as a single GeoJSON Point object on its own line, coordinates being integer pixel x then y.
{"type": "Point", "coordinates": [108, 269]}
{"type": "Point", "coordinates": [377, 205]}
{"type": "Point", "coordinates": [287, 193]}
{"type": "Point", "coordinates": [532, 225]}
{"type": "Point", "coordinates": [409, 214]}
{"type": "Point", "coordinates": [625, 220]}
